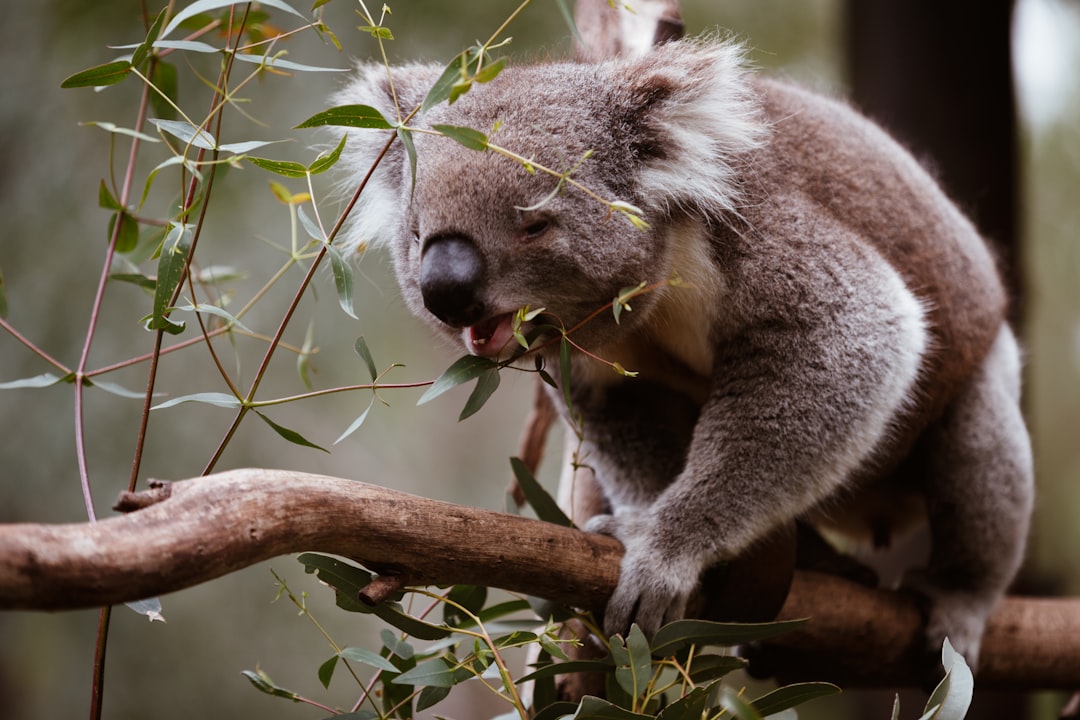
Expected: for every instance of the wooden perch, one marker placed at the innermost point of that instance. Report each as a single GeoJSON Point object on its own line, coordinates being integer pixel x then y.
{"type": "Point", "coordinates": [204, 528]}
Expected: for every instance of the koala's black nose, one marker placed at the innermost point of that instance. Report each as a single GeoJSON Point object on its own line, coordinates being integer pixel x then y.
{"type": "Point", "coordinates": [452, 280]}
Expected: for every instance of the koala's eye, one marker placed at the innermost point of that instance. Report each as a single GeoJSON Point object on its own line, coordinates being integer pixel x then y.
{"type": "Point", "coordinates": [536, 229]}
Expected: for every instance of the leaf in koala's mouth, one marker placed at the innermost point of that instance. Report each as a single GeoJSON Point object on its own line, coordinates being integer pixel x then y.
{"type": "Point", "coordinates": [490, 337]}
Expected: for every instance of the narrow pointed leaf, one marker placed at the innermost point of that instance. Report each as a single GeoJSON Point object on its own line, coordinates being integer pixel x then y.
{"type": "Point", "coordinates": [209, 398]}
{"type": "Point", "coordinates": [357, 422]}
{"type": "Point", "coordinates": [185, 131]}
{"type": "Point", "coordinates": [463, 370]}
{"type": "Point", "coordinates": [106, 199]}
{"type": "Point", "coordinates": [38, 381]}
{"type": "Point", "coordinates": [99, 76]}
{"type": "Point", "coordinates": [566, 668]}
{"type": "Point", "coordinates": [239, 148]}
{"type": "Point", "coordinates": [263, 682]}
{"type": "Point", "coordinates": [343, 280]}
{"type": "Point", "coordinates": [150, 607]}
{"type": "Point", "coordinates": [540, 499]}
{"type": "Point", "coordinates": [143, 48]}
{"type": "Point", "coordinates": [472, 139]}
{"type": "Point", "coordinates": [313, 230]}
{"type": "Point", "coordinates": [789, 696]}
{"type": "Point", "coordinates": [165, 78]}
{"type": "Point", "coordinates": [737, 705]}
{"type": "Point", "coordinates": [216, 311]}
{"type": "Point", "coordinates": [681, 634]}
{"type": "Point", "coordinates": [118, 390]}
{"type": "Point", "coordinates": [486, 385]}
{"type": "Point", "coordinates": [283, 64]}
{"type": "Point", "coordinates": [437, 673]}
{"type": "Point", "coordinates": [325, 162]}
{"type": "Point", "coordinates": [462, 66]}
{"type": "Point", "coordinates": [362, 349]}
{"type": "Point", "coordinates": [117, 130]}
{"type": "Point", "coordinates": [202, 6]}
{"type": "Point", "coordinates": [171, 264]}
{"type": "Point", "coordinates": [326, 671]}
{"type": "Point", "coordinates": [430, 697]}
{"type": "Point", "coordinates": [290, 435]}
{"type": "Point", "coordinates": [369, 658]}
{"type": "Point", "coordinates": [593, 708]}
{"type": "Point", "coordinates": [358, 116]}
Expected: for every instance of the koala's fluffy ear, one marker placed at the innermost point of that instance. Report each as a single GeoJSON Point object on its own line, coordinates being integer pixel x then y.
{"type": "Point", "coordinates": [697, 117]}
{"type": "Point", "coordinates": [377, 217]}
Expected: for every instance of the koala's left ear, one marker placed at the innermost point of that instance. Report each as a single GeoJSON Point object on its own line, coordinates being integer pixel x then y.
{"type": "Point", "coordinates": [697, 118]}
{"type": "Point", "coordinates": [377, 217]}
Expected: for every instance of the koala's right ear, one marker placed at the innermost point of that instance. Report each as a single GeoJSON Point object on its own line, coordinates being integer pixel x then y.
{"type": "Point", "coordinates": [394, 93]}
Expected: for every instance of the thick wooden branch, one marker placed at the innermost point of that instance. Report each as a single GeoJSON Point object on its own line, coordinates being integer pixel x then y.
{"type": "Point", "coordinates": [208, 527]}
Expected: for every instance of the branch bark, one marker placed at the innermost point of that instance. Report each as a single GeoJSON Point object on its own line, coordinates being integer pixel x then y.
{"type": "Point", "coordinates": [207, 527]}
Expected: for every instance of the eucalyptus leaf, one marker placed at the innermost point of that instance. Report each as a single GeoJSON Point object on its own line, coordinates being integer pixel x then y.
{"type": "Point", "coordinates": [463, 370]}
{"type": "Point", "coordinates": [326, 671]}
{"type": "Point", "coordinates": [368, 657]}
{"type": "Point", "coordinates": [357, 422]}
{"type": "Point", "coordinates": [953, 694]}
{"type": "Point", "coordinates": [99, 76]}
{"type": "Point", "coordinates": [290, 435]}
{"type": "Point", "coordinates": [357, 116]}
{"type": "Point", "coordinates": [593, 708]}
{"type": "Point", "coordinates": [362, 349]}
{"type": "Point", "coordinates": [343, 279]}
{"type": "Point", "coordinates": [789, 696]}
{"type": "Point", "coordinates": [433, 673]}
{"type": "Point", "coordinates": [326, 161]}
{"type": "Point", "coordinates": [117, 130]}
{"type": "Point", "coordinates": [681, 634]}
{"type": "Point", "coordinates": [224, 400]}
{"type": "Point", "coordinates": [164, 77]}
{"type": "Point", "coordinates": [566, 668]}
{"type": "Point", "coordinates": [118, 390]}
{"type": "Point", "coordinates": [216, 311]}
{"type": "Point", "coordinates": [202, 6]}
{"type": "Point", "coordinates": [547, 509]}
{"type": "Point", "coordinates": [263, 682]}
{"type": "Point", "coordinates": [313, 230]}
{"type": "Point", "coordinates": [736, 704]}
{"type": "Point", "coordinates": [281, 167]}
{"type": "Point", "coordinates": [283, 64]}
{"type": "Point", "coordinates": [38, 381]}
{"type": "Point", "coordinates": [171, 265]}
{"type": "Point", "coordinates": [186, 132]}
{"type": "Point", "coordinates": [470, 138]}
{"type": "Point", "coordinates": [462, 66]}
{"type": "Point", "coordinates": [486, 385]}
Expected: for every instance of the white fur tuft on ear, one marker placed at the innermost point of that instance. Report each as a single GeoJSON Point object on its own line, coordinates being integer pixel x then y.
{"type": "Point", "coordinates": [378, 214]}
{"type": "Point", "coordinates": [709, 120]}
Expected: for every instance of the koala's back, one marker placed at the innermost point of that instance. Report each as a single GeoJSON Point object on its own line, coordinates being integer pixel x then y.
{"type": "Point", "coordinates": [822, 156]}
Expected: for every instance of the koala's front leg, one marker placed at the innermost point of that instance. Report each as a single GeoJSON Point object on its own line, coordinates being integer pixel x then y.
{"type": "Point", "coordinates": [799, 400]}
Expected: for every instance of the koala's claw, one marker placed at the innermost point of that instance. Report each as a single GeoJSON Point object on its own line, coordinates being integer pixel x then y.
{"type": "Point", "coordinates": [651, 591]}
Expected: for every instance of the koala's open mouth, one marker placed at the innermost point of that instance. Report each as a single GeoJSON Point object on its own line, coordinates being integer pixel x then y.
{"type": "Point", "coordinates": [491, 337]}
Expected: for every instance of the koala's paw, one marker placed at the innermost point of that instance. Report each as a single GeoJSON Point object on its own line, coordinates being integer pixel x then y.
{"type": "Point", "coordinates": [653, 588]}
{"type": "Point", "coordinates": [957, 615]}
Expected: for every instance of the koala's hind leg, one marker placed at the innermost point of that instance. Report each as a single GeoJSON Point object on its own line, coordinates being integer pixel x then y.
{"type": "Point", "coordinates": [979, 489]}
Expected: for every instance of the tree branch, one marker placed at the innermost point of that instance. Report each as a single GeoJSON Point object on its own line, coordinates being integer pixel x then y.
{"type": "Point", "coordinates": [207, 527]}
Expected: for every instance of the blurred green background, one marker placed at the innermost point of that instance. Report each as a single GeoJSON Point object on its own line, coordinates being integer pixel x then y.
{"type": "Point", "coordinates": [50, 255]}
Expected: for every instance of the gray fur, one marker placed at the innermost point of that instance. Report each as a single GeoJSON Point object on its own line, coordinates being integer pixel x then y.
{"type": "Point", "coordinates": [838, 337]}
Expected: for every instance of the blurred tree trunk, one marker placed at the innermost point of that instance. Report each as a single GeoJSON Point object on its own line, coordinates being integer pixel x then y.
{"type": "Point", "coordinates": [938, 76]}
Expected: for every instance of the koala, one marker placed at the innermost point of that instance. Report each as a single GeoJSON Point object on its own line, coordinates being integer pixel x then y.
{"type": "Point", "coordinates": [821, 336]}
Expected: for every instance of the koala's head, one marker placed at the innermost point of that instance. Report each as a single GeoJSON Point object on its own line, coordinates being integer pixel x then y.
{"type": "Point", "coordinates": [479, 236]}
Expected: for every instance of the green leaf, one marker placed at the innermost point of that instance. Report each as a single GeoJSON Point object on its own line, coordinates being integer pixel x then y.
{"type": "Point", "coordinates": [357, 116]}
{"type": "Point", "coordinates": [691, 706]}
{"type": "Point", "coordinates": [680, 634]}
{"type": "Point", "coordinates": [714, 667]}
{"type": "Point", "coordinates": [283, 64]}
{"type": "Point", "coordinates": [326, 671]}
{"type": "Point", "coordinates": [127, 238]}
{"type": "Point", "coordinates": [431, 696]}
{"type": "Point", "coordinates": [486, 385]}
{"type": "Point", "coordinates": [490, 71]}
{"type": "Point", "coordinates": [38, 381]}
{"type": "Point", "coordinates": [117, 130]}
{"type": "Point", "coordinates": [239, 148]}
{"type": "Point", "coordinates": [471, 597]}
{"type": "Point", "coordinates": [106, 199]}
{"type": "Point", "coordinates": [171, 264]}
{"type": "Point", "coordinates": [347, 580]}
{"type": "Point", "coordinates": [290, 435]}
{"type": "Point", "coordinates": [633, 661]}
{"type": "Point", "coordinates": [463, 370]}
{"type": "Point", "coordinates": [731, 701]}
{"type": "Point", "coordinates": [117, 390]}
{"type": "Point", "coordinates": [263, 682]}
{"type": "Point", "coordinates": [186, 132]}
{"type": "Point", "coordinates": [357, 422]}
{"type": "Point", "coordinates": [540, 499]}
{"type": "Point", "coordinates": [369, 658]}
{"type": "Point", "coordinates": [566, 668]}
{"type": "Point", "coordinates": [433, 673]}
{"type": "Point", "coordinates": [164, 77]}
{"type": "Point", "coordinates": [593, 708]}
{"type": "Point", "coordinates": [789, 696]}
{"type": "Point", "coordinates": [556, 710]}
{"type": "Point", "coordinates": [216, 311]}
{"type": "Point", "coordinates": [461, 67]}
{"type": "Point", "coordinates": [361, 348]}
{"type": "Point", "coordinates": [224, 400]}
{"type": "Point", "coordinates": [143, 48]}
{"type": "Point", "coordinates": [472, 139]}
{"type": "Point", "coordinates": [202, 6]}
{"type": "Point", "coordinates": [99, 76]}
{"type": "Point", "coordinates": [326, 161]}
{"type": "Point", "coordinates": [343, 279]}
{"type": "Point", "coordinates": [142, 281]}
{"type": "Point", "coordinates": [405, 135]}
